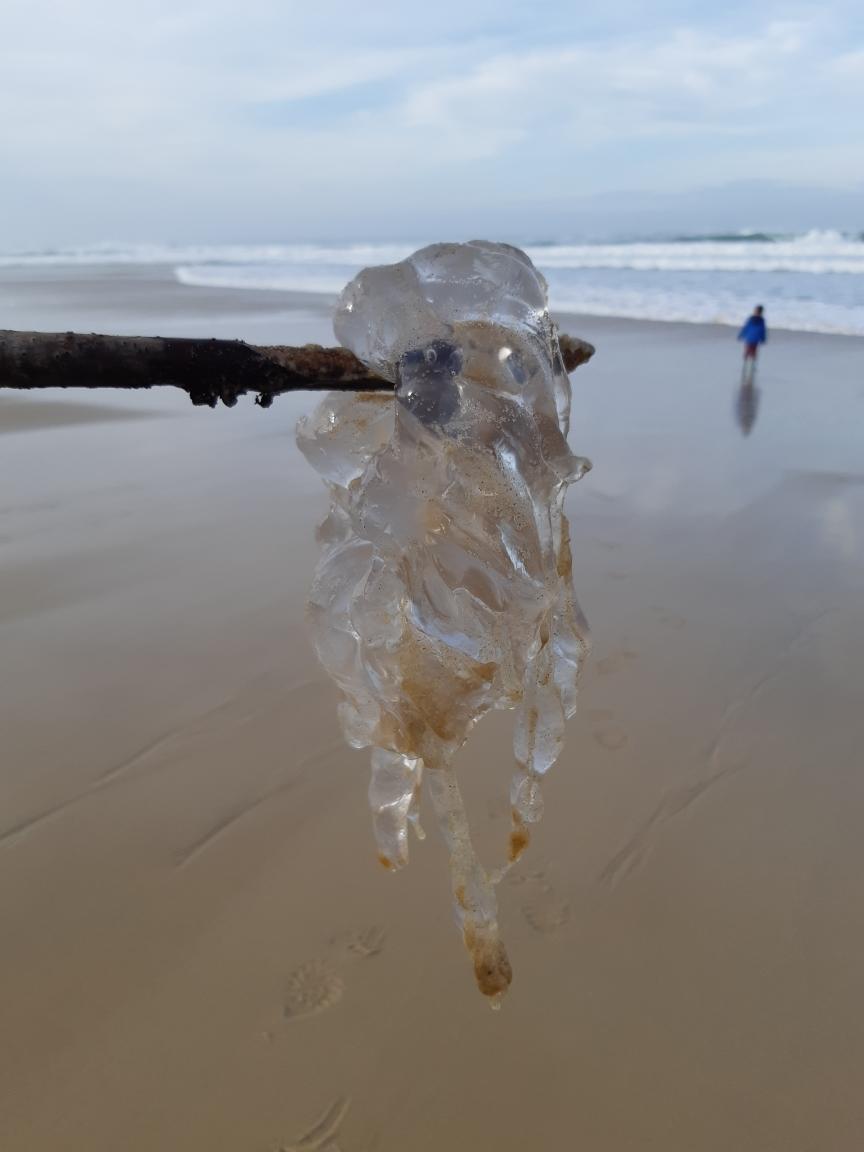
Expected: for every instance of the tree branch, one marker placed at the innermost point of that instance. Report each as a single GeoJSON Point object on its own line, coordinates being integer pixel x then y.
{"type": "Point", "coordinates": [209, 370]}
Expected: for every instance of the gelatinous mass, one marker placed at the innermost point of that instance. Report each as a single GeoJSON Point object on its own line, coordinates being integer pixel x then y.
{"type": "Point", "coordinates": [444, 586]}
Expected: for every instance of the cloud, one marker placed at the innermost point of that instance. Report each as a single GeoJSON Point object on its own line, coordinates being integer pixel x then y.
{"type": "Point", "coordinates": [127, 114]}
{"type": "Point", "coordinates": [684, 82]}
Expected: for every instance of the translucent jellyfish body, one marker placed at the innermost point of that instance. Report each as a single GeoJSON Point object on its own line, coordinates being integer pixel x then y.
{"type": "Point", "coordinates": [444, 585]}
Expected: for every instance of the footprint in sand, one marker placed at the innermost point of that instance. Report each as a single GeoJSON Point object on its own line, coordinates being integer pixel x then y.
{"type": "Point", "coordinates": [544, 909]}
{"type": "Point", "coordinates": [534, 879]}
{"type": "Point", "coordinates": [605, 731]}
{"type": "Point", "coordinates": [314, 987]}
{"type": "Point", "coordinates": [615, 662]}
{"type": "Point", "coordinates": [547, 913]}
{"type": "Point", "coordinates": [358, 943]}
{"type": "Point", "coordinates": [311, 989]}
{"type": "Point", "coordinates": [611, 737]}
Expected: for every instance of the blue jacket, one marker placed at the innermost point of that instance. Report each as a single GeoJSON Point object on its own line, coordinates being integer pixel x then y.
{"type": "Point", "coordinates": [753, 331]}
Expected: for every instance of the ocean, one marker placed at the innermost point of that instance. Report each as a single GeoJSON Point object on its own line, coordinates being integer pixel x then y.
{"type": "Point", "coordinates": [812, 282]}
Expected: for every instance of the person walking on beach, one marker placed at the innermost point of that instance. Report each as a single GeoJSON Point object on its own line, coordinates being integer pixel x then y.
{"type": "Point", "coordinates": [753, 334]}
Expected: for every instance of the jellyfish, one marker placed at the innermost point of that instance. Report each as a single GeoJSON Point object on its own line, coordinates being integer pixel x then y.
{"type": "Point", "coordinates": [444, 584]}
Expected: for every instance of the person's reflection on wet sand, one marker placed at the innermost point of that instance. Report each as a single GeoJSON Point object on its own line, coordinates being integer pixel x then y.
{"type": "Point", "coordinates": [746, 405]}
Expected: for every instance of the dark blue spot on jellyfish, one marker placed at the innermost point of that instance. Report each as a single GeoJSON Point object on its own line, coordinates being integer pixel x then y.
{"type": "Point", "coordinates": [426, 382]}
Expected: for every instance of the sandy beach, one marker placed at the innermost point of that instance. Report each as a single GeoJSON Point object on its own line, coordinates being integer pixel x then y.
{"type": "Point", "coordinates": [199, 949]}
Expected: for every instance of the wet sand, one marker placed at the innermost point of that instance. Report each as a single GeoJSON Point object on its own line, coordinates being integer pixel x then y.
{"type": "Point", "coordinates": [199, 949]}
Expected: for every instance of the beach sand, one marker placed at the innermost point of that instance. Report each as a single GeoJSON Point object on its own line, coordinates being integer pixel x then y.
{"type": "Point", "coordinates": [199, 949]}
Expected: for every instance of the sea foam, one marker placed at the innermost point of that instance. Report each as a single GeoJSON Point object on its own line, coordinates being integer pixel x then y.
{"type": "Point", "coordinates": [808, 282]}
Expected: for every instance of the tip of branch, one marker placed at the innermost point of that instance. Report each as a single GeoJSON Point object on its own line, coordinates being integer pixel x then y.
{"type": "Point", "coordinates": [574, 351]}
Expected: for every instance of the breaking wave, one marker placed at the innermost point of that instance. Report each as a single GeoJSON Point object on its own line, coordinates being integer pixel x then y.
{"type": "Point", "coordinates": [811, 282]}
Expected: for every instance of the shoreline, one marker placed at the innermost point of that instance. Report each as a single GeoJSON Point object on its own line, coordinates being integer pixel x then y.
{"type": "Point", "coordinates": [67, 296]}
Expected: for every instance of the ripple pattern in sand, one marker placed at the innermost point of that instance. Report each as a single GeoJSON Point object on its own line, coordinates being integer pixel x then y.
{"type": "Point", "coordinates": [322, 1135]}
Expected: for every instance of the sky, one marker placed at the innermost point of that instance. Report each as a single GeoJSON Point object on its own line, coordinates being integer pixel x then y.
{"type": "Point", "coordinates": [191, 121]}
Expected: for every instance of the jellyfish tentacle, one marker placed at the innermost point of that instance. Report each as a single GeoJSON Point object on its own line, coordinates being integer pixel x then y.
{"type": "Point", "coordinates": [393, 792]}
{"type": "Point", "coordinates": [474, 898]}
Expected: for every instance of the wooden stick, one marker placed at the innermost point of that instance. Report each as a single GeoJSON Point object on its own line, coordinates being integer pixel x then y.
{"type": "Point", "coordinates": [209, 370]}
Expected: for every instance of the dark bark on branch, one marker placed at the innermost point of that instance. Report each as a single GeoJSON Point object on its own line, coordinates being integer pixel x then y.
{"type": "Point", "coordinates": [209, 370]}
